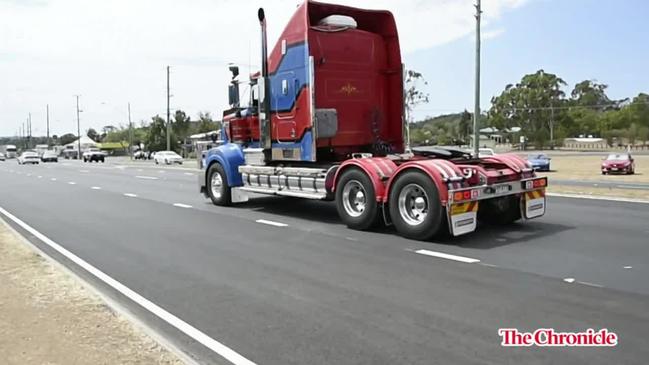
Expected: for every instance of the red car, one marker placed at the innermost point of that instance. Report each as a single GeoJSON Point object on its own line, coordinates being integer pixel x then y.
{"type": "Point", "coordinates": [618, 163]}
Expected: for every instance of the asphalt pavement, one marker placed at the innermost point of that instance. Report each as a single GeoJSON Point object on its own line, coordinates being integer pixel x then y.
{"type": "Point", "coordinates": [282, 281]}
{"type": "Point", "coordinates": [603, 184]}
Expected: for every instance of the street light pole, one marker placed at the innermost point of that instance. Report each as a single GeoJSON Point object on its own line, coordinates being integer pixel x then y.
{"type": "Point", "coordinates": [78, 130]}
{"type": "Point", "coordinates": [476, 107]}
{"type": "Point", "coordinates": [168, 125]}
{"type": "Point", "coordinates": [130, 132]}
{"type": "Point", "coordinates": [48, 125]}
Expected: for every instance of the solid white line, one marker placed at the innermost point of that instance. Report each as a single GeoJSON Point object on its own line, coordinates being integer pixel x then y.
{"type": "Point", "coordinates": [72, 183]}
{"type": "Point", "coordinates": [181, 205]}
{"type": "Point", "coordinates": [442, 255]}
{"type": "Point", "coordinates": [171, 319]}
{"type": "Point", "coordinates": [590, 284]}
{"type": "Point", "coordinates": [131, 195]}
{"type": "Point", "coordinates": [607, 198]}
{"type": "Point", "coordinates": [95, 188]}
{"type": "Point", "coordinates": [146, 177]}
{"type": "Point", "coordinates": [569, 280]}
{"type": "Point", "coordinates": [640, 187]}
{"type": "Point", "coordinates": [271, 223]}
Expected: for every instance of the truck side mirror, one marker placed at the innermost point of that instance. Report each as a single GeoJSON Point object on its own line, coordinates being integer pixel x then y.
{"type": "Point", "coordinates": [233, 95]}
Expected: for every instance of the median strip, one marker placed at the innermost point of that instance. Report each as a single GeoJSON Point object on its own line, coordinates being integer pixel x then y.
{"type": "Point", "coordinates": [271, 223]}
{"type": "Point", "coordinates": [447, 256]}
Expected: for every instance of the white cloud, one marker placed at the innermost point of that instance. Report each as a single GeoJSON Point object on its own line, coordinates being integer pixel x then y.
{"type": "Point", "coordinates": [115, 51]}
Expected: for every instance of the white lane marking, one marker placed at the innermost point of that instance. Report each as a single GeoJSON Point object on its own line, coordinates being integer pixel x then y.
{"type": "Point", "coordinates": [72, 183]}
{"type": "Point", "coordinates": [607, 198]}
{"type": "Point", "coordinates": [161, 313]}
{"type": "Point", "coordinates": [161, 172]}
{"type": "Point", "coordinates": [488, 265]}
{"type": "Point", "coordinates": [181, 205]}
{"type": "Point", "coordinates": [53, 179]}
{"type": "Point", "coordinates": [39, 176]}
{"type": "Point", "coordinates": [628, 267]}
{"type": "Point", "coordinates": [83, 170]}
{"type": "Point", "coordinates": [569, 280]}
{"type": "Point", "coordinates": [442, 255]}
{"type": "Point", "coordinates": [590, 284]}
{"type": "Point", "coordinates": [271, 223]}
{"type": "Point", "coordinates": [95, 188]}
{"type": "Point", "coordinates": [29, 174]}
{"type": "Point", "coordinates": [640, 187]}
{"type": "Point", "coordinates": [130, 195]}
{"type": "Point", "coordinates": [189, 174]}
{"type": "Point", "coordinates": [146, 177]}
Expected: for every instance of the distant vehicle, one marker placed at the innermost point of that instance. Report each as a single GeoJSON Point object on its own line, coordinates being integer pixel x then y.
{"type": "Point", "coordinates": [167, 157]}
{"type": "Point", "coordinates": [28, 157]}
{"type": "Point", "coordinates": [49, 156]}
{"type": "Point", "coordinates": [486, 152]}
{"type": "Point", "coordinates": [618, 163]}
{"type": "Point", "coordinates": [41, 148]}
{"type": "Point", "coordinates": [2, 156]}
{"type": "Point", "coordinates": [140, 155]}
{"type": "Point", "coordinates": [94, 154]}
{"type": "Point", "coordinates": [9, 151]}
{"type": "Point", "coordinates": [539, 161]}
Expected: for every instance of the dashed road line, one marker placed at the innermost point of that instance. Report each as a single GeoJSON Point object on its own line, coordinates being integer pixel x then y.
{"type": "Point", "coordinates": [130, 195]}
{"type": "Point", "coordinates": [146, 177]}
{"type": "Point", "coordinates": [271, 223]}
{"type": "Point", "coordinates": [447, 256]}
{"type": "Point", "coordinates": [83, 170]}
{"type": "Point", "coordinates": [181, 205]}
{"type": "Point", "coordinates": [188, 174]}
{"type": "Point", "coordinates": [590, 284]}
{"type": "Point", "coordinates": [72, 183]}
{"type": "Point", "coordinates": [95, 188]}
{"type": "Point", "coordinates": [53, 179]}
{"type": "Point", "coordinates": [569, 280]}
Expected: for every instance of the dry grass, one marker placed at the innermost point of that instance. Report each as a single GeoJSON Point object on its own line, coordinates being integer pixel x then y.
{"type": "Point", "coordinates": [46, 317]}
{"type": "Point", "coordinates": [588, 168]}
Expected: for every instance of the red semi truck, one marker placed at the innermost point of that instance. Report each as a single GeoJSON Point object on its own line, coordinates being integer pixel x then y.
{"type": "Point", "coordinates": [325, 120]}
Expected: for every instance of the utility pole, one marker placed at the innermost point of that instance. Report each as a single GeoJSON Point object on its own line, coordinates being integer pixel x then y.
{"type": "Point", "coordinates": [29, 131]}
{"type": "Point", "coordinates": [476, 107]}
{"type": "Point", "coordinates": [48, 125]}
{"type": "Point", "coordinates": [551, 126]}
{"type": "Point", "coordinates": [78, 130]}
{"type": "Point", "coordinates": [168, 124]}
{"type": "Point", "coordinates": [130, 132]}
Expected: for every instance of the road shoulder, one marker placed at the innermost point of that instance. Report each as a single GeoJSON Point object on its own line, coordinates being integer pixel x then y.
{"type": "Point", "coordinates": [47, 316]}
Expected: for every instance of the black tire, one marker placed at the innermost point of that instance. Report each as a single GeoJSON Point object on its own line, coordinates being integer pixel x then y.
{"type": "Point", "coordinates": [357, 217]}
{"type": "Point", "coordinates": [102, 160]}
{"type": "Point", "coordinates": [500, 211]}
{"type": "Point", "coordinates": [603, 172]}
{"type": "Point", "coordinates": [225, 198]}
{"type": "Point", "coordinates": [431, 224]}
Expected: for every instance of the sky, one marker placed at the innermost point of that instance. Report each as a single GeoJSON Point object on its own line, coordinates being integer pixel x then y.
{"type": "Point", "coordinates": [115, 52]}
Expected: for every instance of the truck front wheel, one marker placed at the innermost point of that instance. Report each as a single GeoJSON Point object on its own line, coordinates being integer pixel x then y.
{"type": "Point", "coordinates": [356, 200]}
{"type": "Point", "coordinates": [217, 186]}
{"type": "Point", "coordinates": [415, 208]}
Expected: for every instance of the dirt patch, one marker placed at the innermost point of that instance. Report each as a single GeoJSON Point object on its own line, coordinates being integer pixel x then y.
{"type": "Point", "coordinates": [47, 317]}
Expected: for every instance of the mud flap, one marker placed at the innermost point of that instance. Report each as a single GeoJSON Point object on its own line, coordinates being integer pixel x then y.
{"type": "Point", "coordinates": [463, 218]}
{"type": "Point", "coordinates": [534, 204]}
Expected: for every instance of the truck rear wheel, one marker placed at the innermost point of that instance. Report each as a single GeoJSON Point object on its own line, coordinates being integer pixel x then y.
{"type": "Point", "coordinates": [217, 186]}
{"type": "Point", "coordinates": [500, 211]}
{"type": "Point", "coordinates": [356, 200]}
{"type": "Point", "coordinates": [415, 208]}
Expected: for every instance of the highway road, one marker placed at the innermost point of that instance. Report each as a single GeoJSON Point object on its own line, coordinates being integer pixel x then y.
{"type": "Point", "coordinates": [282, 281]}
{"type": "Point", "coordinates": [602, 184]}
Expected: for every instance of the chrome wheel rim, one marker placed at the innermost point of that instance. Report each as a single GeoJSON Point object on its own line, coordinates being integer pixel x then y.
{"type": "Point", "coordinates": [413, 204]}
{"type": "Point", "coordinates": [217, 185]}
{"type": "Point", "coordinates": [354, 198]}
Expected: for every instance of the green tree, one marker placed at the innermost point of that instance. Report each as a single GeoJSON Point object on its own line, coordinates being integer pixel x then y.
{"type": "Point", "coordinates": [589, 93]}
{"type": "Point", "coordinates": [156, 138]}
{"type": "Point", "coordinates": [180, 124]}
{"type": "Point", "coordinates": [67, 138]}
{"type": "Point", "coordinates": [534, 104]}
{"type": "Point", "coordinates": [92, 134]}
{"type": "Point", "coordinates": [414, 96]}
{"type": "Point", "coordinates": [206, 124]}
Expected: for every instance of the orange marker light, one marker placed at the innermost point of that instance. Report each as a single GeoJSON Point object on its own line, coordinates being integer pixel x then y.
{"type": "Point", "coordinates": [457, 196]}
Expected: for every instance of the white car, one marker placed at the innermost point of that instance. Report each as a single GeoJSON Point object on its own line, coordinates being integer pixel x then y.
{"type": "Point", "coordinates": [28, 157]}
{"type": "Point", "coordinates": [167, 157]}
{"type": "Point", "coordinates": [485, 152]}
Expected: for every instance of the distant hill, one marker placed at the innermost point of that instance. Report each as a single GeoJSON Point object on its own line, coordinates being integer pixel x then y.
{"type": "Point", "coordinates": [447, 129]}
